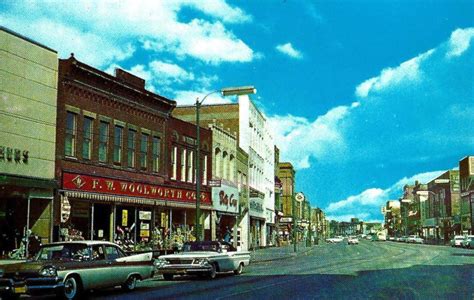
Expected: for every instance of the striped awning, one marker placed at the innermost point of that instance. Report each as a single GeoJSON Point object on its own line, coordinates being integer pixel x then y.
{"type": "Point", "coordinates": [130, 200]}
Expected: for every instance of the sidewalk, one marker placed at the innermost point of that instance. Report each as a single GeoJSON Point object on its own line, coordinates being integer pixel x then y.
{"type": "Point", "coordinates": [277, 253]}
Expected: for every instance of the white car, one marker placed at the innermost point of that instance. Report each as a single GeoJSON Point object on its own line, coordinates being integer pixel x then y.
{"type": "Point", "coordinates": [203, 258]}
{"type": "Point", "coordinates": [334, 240]}
{"type": "Point", "coordinates": [352, 240]}
{"type": "Point", "coordinates": [457, 240]}
{"type": "Point", "coordinates": [468, 241]}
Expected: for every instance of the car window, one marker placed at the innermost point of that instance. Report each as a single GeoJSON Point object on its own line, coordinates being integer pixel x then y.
{"type": "Point", "coordinates": [64, 252]}
{"type": "Point", "coordinates": [98, 252]}
{"type": "Point", "coordinates": [113, 252]}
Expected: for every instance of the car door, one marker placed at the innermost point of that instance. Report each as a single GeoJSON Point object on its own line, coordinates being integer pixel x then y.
{"type": "Point", "coordinates": [100, 275]}
{"type": "Point", "coordinates": [118, 271]}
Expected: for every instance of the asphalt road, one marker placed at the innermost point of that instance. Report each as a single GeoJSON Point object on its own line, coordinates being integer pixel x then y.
{"type": "Point", "coordinates": [370, 270]}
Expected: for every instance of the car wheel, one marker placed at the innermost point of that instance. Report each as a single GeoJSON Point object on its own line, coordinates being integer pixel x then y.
{"type": "Point", "coordinates": [130, 284]}
{"type": "Point", "coordinates": [239, 269]}
{"type": "Point", "coordinates": [213, 272]}
{"type": "Point", "coordinates": [72, 288]}
{"type": "Point", "coordinates": [168, 277]}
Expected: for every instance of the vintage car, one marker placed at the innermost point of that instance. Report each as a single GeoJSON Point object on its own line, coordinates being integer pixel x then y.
{"type": "Point", "coordinates": [352, 240]}
{"type": "Point", "coordinates": [205, 258]}
{"type": "Point", "coordinates": [468, 241]}
{"type": "Point", "coordinates": [69, 268]}
{"type": "Point", "coordinates": [457, 240]}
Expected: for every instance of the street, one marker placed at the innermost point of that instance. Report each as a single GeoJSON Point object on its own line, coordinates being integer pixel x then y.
{"type": "Point", "coordinates": [376, 270]}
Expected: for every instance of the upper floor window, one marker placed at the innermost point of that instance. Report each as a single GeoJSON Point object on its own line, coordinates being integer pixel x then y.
{"type": "Point", "coordinates": [204, 169]}
{"type": "Point", "coordinates": [71, 130]}
{"type": "Point", "coordinates": [118, 144]}
{"type": "Point", "coordinates": [190, 167]}
{"type": "Point", "coordinates": [103, 141]}
{"type": "Point", "coordinates": [156, 149]}
{"type": "Point", "coordinates": [174, 165]}
{"type": "Point", "coordinates": [131, 145]}
{"type": "Point", "coordinates": [143, 151]}
{"type": "Point", "coordinates": [183, 165]}
{"type": "Point", "coordinates": [87, 138]}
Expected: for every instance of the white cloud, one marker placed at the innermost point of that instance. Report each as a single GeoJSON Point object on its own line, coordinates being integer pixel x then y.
{"type": "Point", "coordinates": [164, 71]}
{"type": "Point", "coordinates": [105, 32]}
{"type": "Point", "coordinates": [369, 202]}
{"type": "Point", "coordinates": [300, 139]}
{"type": "Point", "coordinates": [189, 97]}
{"type": "Point", "coordinates": [289, 50]}
{"type": "Point", "coordinates": [407, 72]}
{"type": "Point", "coordinates": [460, 41]}
{"type": "Point", "coordinates": [220, 9]}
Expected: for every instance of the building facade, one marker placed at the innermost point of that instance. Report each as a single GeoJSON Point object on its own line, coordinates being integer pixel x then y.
{"type": "Point", "coordinates": [286, 174]}
{"type": "Point", "coordinates": [118, 178]}
{"type": "Point", "coordinates": [466, 179]}
{"type": "Point", "coordinates": [255, 138]}
{"type": "Point", "coordinates": [28, 89]}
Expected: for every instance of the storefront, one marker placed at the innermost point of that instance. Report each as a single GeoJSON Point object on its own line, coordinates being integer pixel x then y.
{"type": "Point", "coordinates": [257, 222]}
{"type": "Point", "coordinates": [225, 202]}
{"type": "Point", "coordinates": [271, 229]}
{"type": "Point", "coordinates": [127, 212]}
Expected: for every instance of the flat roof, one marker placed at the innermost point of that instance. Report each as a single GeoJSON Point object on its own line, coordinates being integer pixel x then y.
{"type": "Point", "coordinates": [26, 39]}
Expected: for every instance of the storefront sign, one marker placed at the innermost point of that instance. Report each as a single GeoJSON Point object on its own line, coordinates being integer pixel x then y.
{"type": "Point", "coordinates": [144, 233]}
{"type": "Point", "coordinates": [65, 209]}
{"type": "Point", "coordinates": [256, 207]}
{"type": "Point", "coordinates": [144, 215]}
{"type": "Point", "coordinates": [124, 217]}
{"type": "Point", "coordinates": [225, 198]}
{"type": "Point", "coordinates": [214, 183]}
{"type": "Point", "coordinates": [12, 154]}
{"type": "Point", "coordinates": [286, 220]}
{"type": "Point", "coordinates": [126, 188]}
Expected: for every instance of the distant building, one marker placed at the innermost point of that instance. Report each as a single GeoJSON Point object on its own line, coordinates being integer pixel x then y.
{"type": "Point", "coordinates": [466, 174]}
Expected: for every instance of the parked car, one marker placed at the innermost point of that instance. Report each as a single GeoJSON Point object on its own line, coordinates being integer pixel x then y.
{"type": "Point", "coordinates": [414, 239]}
{"type": "Point", "coordinates": [352, 240]}
{"type": "Point", "coordinates": [203, 258]}
{"type": "Point", "coordinates": [69, 268]}
{"type": "Point", "coordinates": [391, 238]}
{"type": "Point", "coordinates": [334, 240]}
{"type": "Point", "coordinates": [403, 239]}
{"type": "Point", "coordinates": [468, 241]}
{"type": "Point", "coordinates": [457, 240]}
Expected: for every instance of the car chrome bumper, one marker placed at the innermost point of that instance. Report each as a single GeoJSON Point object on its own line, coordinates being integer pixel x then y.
{"type": "Point", "coordinates": [31, 286]}
{"type": "Point", "coordinates": [183, 269]}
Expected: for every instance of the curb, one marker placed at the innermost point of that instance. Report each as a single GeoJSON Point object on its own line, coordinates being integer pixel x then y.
{"type": "Point", "coordinates": [292, 255]}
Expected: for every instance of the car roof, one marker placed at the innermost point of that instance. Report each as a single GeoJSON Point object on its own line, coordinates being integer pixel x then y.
{"type": "Point", "coordinates": [89, 243]}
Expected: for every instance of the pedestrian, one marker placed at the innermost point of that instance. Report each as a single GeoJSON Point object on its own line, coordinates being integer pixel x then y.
{"type": "Point", "coordinates": [227, 234]}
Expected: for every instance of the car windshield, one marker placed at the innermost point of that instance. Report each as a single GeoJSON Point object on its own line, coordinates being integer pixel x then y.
{"type": "Point", "coordinates": [191, 247]}
{"type": "Point", "coordinates": [64, 252]}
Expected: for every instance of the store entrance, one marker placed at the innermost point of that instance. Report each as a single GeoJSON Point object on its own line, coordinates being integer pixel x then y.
{"type": "Point", "coordinates": [102, 214]}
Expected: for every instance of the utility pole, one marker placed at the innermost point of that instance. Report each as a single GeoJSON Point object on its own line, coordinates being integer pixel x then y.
{"type": "Point", "coordinates": [293, 212]}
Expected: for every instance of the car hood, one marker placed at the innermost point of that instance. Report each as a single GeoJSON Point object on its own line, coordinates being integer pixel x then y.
{"type": "Point", "coordinates": [28, 266]}
{"type": "Point", "coordinates": [194, 254]}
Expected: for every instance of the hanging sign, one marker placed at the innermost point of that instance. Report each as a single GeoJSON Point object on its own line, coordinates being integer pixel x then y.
{"type": "Point", "coordinates": [124, 217]}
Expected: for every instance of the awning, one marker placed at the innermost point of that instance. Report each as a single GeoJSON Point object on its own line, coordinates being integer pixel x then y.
{"type": "Point", "coordinates": [130, 200]}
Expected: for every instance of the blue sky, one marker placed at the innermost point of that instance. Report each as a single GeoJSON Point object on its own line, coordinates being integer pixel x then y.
{"type": "Point", "coordinates": [364, 96]}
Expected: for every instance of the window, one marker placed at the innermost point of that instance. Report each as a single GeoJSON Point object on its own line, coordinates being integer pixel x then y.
{"type": "Point", "coordinates": [156, 153]}
{"type": "Point", "coordinates": [190, 166]}
{"type": "Point", "coordinates": [70, 141]}
{"type": "Point", "coordinates": [204, 169]}
{"type": "Point", "coordinates": [132, 134]}
{"type": "Point", "coordinates": [118, 144]}
{"type": "Point", "coordinates": [183, 165]}
{"type": "Point", "coordinates": [143, 151]}
{"type": "Point", "coordinates": [174, 166]}
{"type": "Point", "coordinates": [103, 141]}
{"type": "Point", "coordinates": [87, 138]}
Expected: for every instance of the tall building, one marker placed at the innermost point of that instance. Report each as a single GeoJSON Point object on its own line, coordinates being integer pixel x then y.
{"type": "Point", "coordinates": [28, 93]}
{"type": "Point", "coordinates": [255, 138]}
{"type": "Point", "coordinates": [466, 178]}
{"type": "Point", "coordinates": [444, 206]}
{"type": "Point", "coordinates": [286, 174]}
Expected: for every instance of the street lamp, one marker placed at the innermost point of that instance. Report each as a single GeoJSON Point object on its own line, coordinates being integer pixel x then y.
{"type": "Point", "coordinates": [244, 90]}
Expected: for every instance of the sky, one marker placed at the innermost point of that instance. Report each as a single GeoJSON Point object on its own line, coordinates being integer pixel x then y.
{"type": "Point", "coordinates": [364, 96]}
